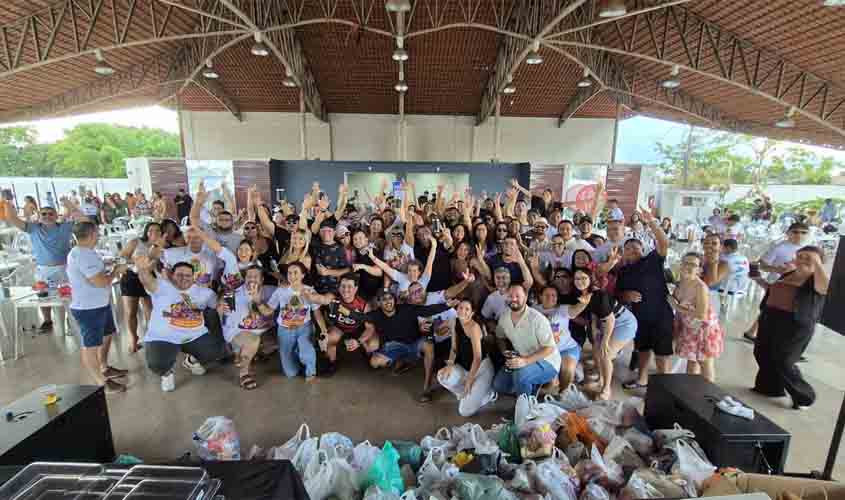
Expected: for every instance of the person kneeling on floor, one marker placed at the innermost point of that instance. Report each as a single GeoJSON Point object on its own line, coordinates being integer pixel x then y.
{"type": "Point", "coordinates": [535, 359]}
{"type": "Point", "coordinates": [468, 374]}
{"type": "Point", "coordinates": [177, 323]}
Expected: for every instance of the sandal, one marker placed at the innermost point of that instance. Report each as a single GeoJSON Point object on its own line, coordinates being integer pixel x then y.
{"type": "Point", "coordinates": [633, 385]}
{"type": "Point", "coordinates": [425, 397]}
{"type": "Point", "coordinates": [247, 382]}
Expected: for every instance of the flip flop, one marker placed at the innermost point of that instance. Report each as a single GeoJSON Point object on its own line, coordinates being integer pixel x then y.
{"type": "Point", "coordinates": [247, 382]}
{"type": "Point", "coordinates": [634, 385]}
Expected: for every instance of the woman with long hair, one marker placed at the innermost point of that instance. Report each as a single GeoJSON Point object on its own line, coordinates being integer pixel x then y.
{"type": "Point", "coordinates": [788, 315]}
{"type": "Point", "coordinates": [460, 233]}
{"type": "Point", "coordinates": [558, 316]}
{"type": "Point", "coordinates": [297, 252]}
{"type": "Point", "coordinates": [613, 326]}
{"type": "Point", "coordinates": [464, 259]}
{"type": "Point", "coordinates": [30, 209]}
{"type": "Point", "coordinates": [468, 373]}
{"type": "Point", "coordinates": [481, 238]}
{"type": "Point", "coordinates": [172, 234]}
{"type": "Point", "coordinates": [150, 244]}
{"type": "Point", "coordinates": [264, 251]}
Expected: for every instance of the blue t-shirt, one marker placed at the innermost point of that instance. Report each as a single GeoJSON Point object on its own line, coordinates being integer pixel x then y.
{"type": "Point", "coordinates": [50, 246]}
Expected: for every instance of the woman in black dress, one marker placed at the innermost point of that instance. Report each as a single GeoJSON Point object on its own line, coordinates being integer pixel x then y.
{"type": "Point", "coordinates": [789, 312]}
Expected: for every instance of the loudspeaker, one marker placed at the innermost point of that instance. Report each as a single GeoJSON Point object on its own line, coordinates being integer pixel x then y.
{"type": "Point", "coordinates": [74, 429]}
{"type": "Point", "coordinates": [833, 316]}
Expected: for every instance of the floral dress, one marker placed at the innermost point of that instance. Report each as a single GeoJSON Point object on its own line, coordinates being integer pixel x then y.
{"type": "Point", "coordinates": [697, 339]}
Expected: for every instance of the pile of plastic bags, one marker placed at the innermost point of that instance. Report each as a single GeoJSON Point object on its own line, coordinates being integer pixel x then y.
{"type": "Point", "coordinates": [564, 448]}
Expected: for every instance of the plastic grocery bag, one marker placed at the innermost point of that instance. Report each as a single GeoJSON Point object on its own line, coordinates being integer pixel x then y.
{"type": "Point", "coordinates": [478, 487]}
{"type": "Point", "coordinates": [571, 399]}
{"type": "Point", "coordinates": [577, 429]}
{"type": "Point", "coordinates": [691, 465]}
{"type": "Point", "coordinates": [638, 488]}
{"type": "Point", "coordinates": [363, 456]}
{"type": "Point", "coordinates": [509, 443]}
{"type": "Point", "coordinates": [524, 404]}
{"type": "Point", "coordinates": [375, 493]}
{"type": "Point", "coordinates": [575, 452]}
{"type": "Point", "coordinates": [217, 439]}
{"type": "Point", "coordinates": [602, 429]}
{"type": "Point", "coordinates": [430, 472]}
{"type": "Point", "coordinates": [594, 491]}
{"type": "Point", "coordinates": [330, 442]}
{"type": "Point", "coordinates": [410, 453]}
{"type": "Point", "coordinates": [305, 453]}
{"type": "Point", "coordinates": [329, 477]}
{"type": "Point", "coordinates": [621, 452]}
{"type": "Point", "coordinates": [596, 469]}
{"type": "Point", "coordinates": [385, 473]}
{"type": "Point", "coordinates": [642, 443]}
{"type": "Point", "coordinates": [465, 436]}
{"type": "Point", "coordinates": [554, 483]}
{"type": "Point", "coordinates": [441, 439]}
{"type": "Point", "coordinates": [288, 450]}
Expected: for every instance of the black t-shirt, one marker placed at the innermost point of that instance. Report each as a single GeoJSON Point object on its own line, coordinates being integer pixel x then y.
{"type": "Point", "coordinates": [601, 305]}
{"type": "Point", "coordinates": [184, 208]}
{"type": "Point", "coordinates": [539, 204]}
{"type": "Point", "coordinates": [368, 285]}
{"type": "Point", "coordinates": [331, 256]}
{"type": "Point", "coordinates": [498, 260]}
{"type": "Point", "coordinates": [647, 278]}
{"type": "Point", "coordinates": [441, 272]}
{"type": "Point", "coordinates": [594, 239]}
{"type": "Point", "coordinates": [403, 325]}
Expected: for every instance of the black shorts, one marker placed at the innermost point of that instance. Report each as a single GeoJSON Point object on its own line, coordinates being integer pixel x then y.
{"type": "Point", "coordinates": [130, 286]}
{"type": "Point", "coordinates": [655, 334]}
{"type": "Point", "coordinates": [442, 349]}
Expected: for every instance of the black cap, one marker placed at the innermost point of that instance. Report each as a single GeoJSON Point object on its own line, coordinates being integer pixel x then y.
{"type": "Point", "coordinates": [584, 219]}
{"type": "Point", "coordinates": [384, 292]}
{"type": "Point", "coordinates": [330, 223]}
{"type": "Point", "coordinates": [798, 226]}
{"type": "Point", "coordinates": [292, 218]}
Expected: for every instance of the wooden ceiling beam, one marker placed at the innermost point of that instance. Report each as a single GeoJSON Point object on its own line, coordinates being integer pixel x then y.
{"type": "Point", "coordinates": [535, 18]}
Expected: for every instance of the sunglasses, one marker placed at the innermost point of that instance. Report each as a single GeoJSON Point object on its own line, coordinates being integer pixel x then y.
{"type": "Point", "coordinates": [249, 228]}
{"type": "Point", "coordinates": [48, 214]}
{"type": "Point", "coordinates": [801, 232]}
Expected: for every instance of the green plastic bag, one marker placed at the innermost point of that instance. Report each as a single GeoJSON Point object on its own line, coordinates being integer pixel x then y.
{"type": "Point", "coordinates": [509, 443]}
{"type": "Point", "coordinates": [410, 453]}
{"type": "Point", "coordinates": [385, 472]}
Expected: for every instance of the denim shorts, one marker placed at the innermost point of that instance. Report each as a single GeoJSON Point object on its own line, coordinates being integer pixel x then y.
{"type": "Point", "coordinates": [395, 351]}
{"type": "Point", "coordinates": [94, 324]}
{"type": "Point", "coordinates": [572, 352]}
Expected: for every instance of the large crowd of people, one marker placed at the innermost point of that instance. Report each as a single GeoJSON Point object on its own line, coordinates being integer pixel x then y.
{"type": "Point", "coordinates": [496, 294]}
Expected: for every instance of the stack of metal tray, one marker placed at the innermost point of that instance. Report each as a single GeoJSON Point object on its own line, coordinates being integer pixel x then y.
{"type": "Point", "coordinates": [79, 481]}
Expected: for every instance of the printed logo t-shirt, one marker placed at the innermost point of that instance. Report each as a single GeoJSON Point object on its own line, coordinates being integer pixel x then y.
{"type": "Point", "coordinates": [295, 309]}
{"type": "Point", "coordinates": [246, 316]}
{"type": "Point", "coordinates": [204, 263]}
{"type": "Point", "coordinates": [177, 314]}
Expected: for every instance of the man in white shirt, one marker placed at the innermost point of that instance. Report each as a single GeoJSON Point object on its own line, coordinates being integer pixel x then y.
{"type": "Point", "coordinates": [177, 323]}
{"type": "Point", "coordinates": [91, 306]}
{"type": "Point", "coordinates": [614, 212]}
{"type": "Point", "coordinates": [205, 263]}
{"type": "Point", "coordinates": [534, 359]}
{"type": "Point", "coordinates": [497, 302]}
{"type": "Point", "coordinates": [615, 238]}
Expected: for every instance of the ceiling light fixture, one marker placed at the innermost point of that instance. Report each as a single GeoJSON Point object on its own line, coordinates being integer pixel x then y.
{"type": "Point", "coordinates": [834, 3]}
{"type": "Point", "coordinates": [787, 121]}
{"type": "Point", "coordinates": [534, 56]}
{"type": "Point", "coordinates": [398, 5]}
{"type": "Point", "coordinates": [209, 72]}
{"type": "Point", "coordinates": [585, 81]}
{"type": "Point", "coordinates": [401, 86]}
{"type": "Point", "coordinates": [103, 68]}
{"type": "Point", "coordinates": [674, 80]}
{"type": "Point", "coordinates": [259, 48]}
{"type": "Point", "coordinates": [613, 8]}
{"type": "Point", "coordinates": [400, 54]}
{"type": "Point", "coordinates": [510, 88]}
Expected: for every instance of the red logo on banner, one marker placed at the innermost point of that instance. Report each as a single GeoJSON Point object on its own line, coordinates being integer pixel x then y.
{"type": "Point", "coordinates": [583, 195]}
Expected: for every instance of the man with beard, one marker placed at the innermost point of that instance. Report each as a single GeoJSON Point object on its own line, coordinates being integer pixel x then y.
{"type": "Point", "coordinates": [512, 259]}
{"type": "Point", "coordinates": [329, 259]}
{"type": "Point", "coordinates": [585, 226]}
{"type": "Point", "coordinates": [642, 287]}
{"type": "Point", "coordinates": [399, 337]}
{"type": "Point", "coordinates": [534, 359]}
{"type": "Point", "coordinates": [222, 230]}
{"type": "Point", "coordinates": [347, 314]}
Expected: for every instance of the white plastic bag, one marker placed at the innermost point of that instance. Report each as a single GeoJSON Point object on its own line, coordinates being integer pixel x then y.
{"type": "Point", "coordinates": [430, 472]}
{"type": "Point", "coordinates": [464, 436]}
{"type": "Point", "coordinates": [612, 469]}
{"type": "Point", "coordinates": [557, 485]}
{"type": "Point", "coordinates": [524, 404]}
{"type": "Point", "coordinates": [329, 477]}
{"type": "Point", "coordinates": [441, 439]}
{"type": "Point", "coordinates": [641, 442]}
{"type": "Point", "coordinates": [363, 456]}
{"type": "Point", "coordinates": [305, 453]}
{"type": "Point", "coordinates": [621, 452]}
{"type": "Point", "coordinates": [288, 450]}
{"type": "Point", "coordinates": [217, 439]}
{"type": "Point", "coordinates": [331, 440]}
{"type": "Point", "coordinates": [594, 492]}
{"type": "Point", "coordinates": [571, 399]}
{"type": "Point", "coordinates": [691, 466]}
{"type": "Point", "coordinates": [604, 430]}
{"type": "Point", "coordinates": [375, 493]}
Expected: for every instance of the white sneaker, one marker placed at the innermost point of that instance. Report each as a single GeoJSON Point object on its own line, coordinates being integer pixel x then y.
{"type": "Point", "coordinates": [168, 382]}
{"type": "Point", "coordinates": [194, 366]}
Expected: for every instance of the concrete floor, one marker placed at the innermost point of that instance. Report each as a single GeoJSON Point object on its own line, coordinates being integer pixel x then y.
{"type": "Point", "coordinates": [374, 405]}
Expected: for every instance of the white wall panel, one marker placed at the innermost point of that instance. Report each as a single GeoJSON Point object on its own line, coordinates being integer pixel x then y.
{"type": "Point", "coordinates": [365, 137]}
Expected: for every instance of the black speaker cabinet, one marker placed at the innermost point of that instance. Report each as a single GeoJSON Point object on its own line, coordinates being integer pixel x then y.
{"type": "Point", "coordinates": [75, 429]}
{"type": "Point", "coordinates": [832, 315]}
{"type": "Point", "coordinates": [752, 446]}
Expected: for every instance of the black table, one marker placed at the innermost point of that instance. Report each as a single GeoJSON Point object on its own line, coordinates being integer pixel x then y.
{"type": "Point", "coordinates": [689, 400]}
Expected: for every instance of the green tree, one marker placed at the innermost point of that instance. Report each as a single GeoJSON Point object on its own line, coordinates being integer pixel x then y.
{"type": "Point", "coordinates": [20, 155]}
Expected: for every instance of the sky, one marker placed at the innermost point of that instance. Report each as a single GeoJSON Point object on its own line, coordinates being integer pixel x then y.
{"type": "Point", "coordinates": [153, 116]}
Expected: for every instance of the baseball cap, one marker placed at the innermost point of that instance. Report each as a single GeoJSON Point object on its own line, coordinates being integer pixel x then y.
{"type": "Point", "coordinates": [327, 224]}
{"type": "Point", "coordinates": [385, 292]}
{"type": "Point", "coordinates": [586, 218]}
{"type": "Point", "coordinates": [541, 220]}
{"type": "Point", "coordinates": [341, 230]}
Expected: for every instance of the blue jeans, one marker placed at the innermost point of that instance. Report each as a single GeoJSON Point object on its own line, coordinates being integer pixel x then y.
{"type": "Point", "coordinates": [296, 350]}
{"type": "Point", "coordinates": [525, 380]}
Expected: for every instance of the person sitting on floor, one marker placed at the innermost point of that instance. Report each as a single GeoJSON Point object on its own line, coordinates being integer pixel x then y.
{"type": "Point", "coordinates": [347, 313]}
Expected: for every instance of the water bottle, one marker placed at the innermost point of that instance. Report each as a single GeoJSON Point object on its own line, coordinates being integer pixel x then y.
{"type": "Point", "coordinates": [509, 355]}
{"type": "Point", "coordinates": [229, 297]}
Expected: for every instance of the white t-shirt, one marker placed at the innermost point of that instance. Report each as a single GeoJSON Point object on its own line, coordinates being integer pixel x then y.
{"type": "Point", "coordinates": [616, 214]}
{"type": "Point", "coordinates": [778, 255]}
{"type": "Point", "coordinates": [559, 322]}
{"type": "Point", "coordinates": [230, 240]}
{"type": "Point", "coordinates": [398, 258]}
{"type": "Point", "coordinates": [177, 314]}
{"type": "Point", "coordinates": [88, 209]}
{"type": "Point", "coordinates": [494, 306]}
{"type": "Point", "coordinates": [83, 264]}
{"type": "Point", "coordinates": [738, 267]}
{"type": "Point", "coordinates": [205, 263]}
{"type": "Point", "coordinates": [246, 317]}
{"type": "Point", "coordinates": [404, 283]}
{"type": "Point", "coordinates": [532, 333]}
{"type": "Point", "coordinates": [548, 259]}
{"type": "Point", "coordinates": [295, 309]}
